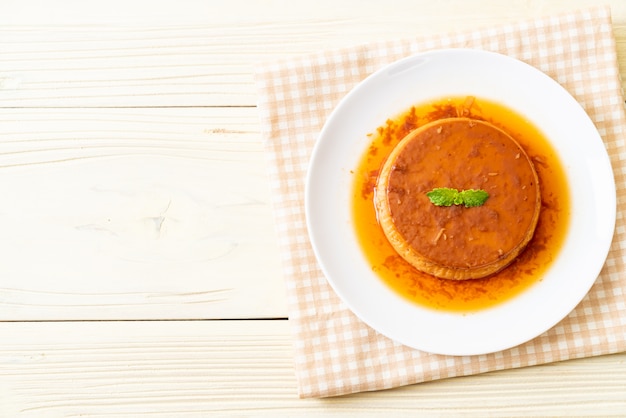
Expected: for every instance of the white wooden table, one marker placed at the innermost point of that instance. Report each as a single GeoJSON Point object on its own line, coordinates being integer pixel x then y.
{"type": "Point", "coordinates": [139, 272]}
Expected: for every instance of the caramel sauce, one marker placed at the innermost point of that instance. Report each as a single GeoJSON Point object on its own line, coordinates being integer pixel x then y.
{"type": "Point", "coordinates": [464, 295]}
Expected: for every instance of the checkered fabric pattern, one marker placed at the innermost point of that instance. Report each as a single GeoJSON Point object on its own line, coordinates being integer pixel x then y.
{"type": "Point", "coordinates": [335, 353]}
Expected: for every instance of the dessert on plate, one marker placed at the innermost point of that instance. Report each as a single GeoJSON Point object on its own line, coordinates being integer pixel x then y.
{"type": "Point", "coordinates": [464, 238]}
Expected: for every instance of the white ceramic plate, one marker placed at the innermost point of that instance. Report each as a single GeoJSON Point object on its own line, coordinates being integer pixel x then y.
{"type": "Point", "coordinates": [491, 76]}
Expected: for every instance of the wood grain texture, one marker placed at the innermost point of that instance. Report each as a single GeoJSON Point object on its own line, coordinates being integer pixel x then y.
{"type": "Point", "coordinates": [203, 53]}
{"type": "Point", "coordinates": [144, 194]}
{"type": "Point", "coordinates": [133, 183]}
{"type": "Point", "coordinates": [244, 368]}
{"type": "Point", "coordinates": [136, 214]}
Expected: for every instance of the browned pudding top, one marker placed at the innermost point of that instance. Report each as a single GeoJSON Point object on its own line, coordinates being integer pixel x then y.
{"type": "Point", "coordinates": [463, 154]}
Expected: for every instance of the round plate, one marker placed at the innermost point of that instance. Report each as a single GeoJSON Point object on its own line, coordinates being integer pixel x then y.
{"type": "Point", "coordinates": [431, 76]}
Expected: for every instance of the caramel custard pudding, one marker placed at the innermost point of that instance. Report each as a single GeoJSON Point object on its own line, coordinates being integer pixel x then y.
{"type": "Point", "coordinates": [457, 242]}
{"type": "Point", "coordinates": [428, 290]}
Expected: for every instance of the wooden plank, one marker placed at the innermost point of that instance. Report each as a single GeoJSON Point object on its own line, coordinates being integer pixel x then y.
{"type": "Point", "coordinates": [136, 214]}
{"type": "Point", "coordinates": [244, 368]}
{"type": "Point", "coordinates": [198, 53]}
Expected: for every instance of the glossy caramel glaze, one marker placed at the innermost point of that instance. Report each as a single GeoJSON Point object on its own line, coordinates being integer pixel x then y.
{"type": "Point", "coordinates": [456, 242]}
{"type": "Point", "coordinates": [425, 289]}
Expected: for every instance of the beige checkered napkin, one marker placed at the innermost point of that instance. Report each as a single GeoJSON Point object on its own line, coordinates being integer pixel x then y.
{"type": "Point", "coordinates": [335, 353]}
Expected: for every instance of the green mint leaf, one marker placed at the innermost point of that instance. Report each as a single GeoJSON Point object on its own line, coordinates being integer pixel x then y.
{"type": "Point", "coordinates": [472, 198]}
{"type": "Point", "coordinates": [444, 196]}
